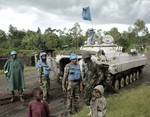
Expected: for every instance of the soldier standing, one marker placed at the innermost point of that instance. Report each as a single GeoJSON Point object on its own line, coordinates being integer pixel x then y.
{"type": "Point", "coordinates": [93, 76]}
{"type": "Point", "coordinates": [43, 75]}
{"type": "Point", "coordinates": [72, 83]}
{"type": "Point", "coordinates": [13, 70]}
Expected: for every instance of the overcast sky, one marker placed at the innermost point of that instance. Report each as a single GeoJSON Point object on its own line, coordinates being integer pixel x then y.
{"type": "Point", "coordinates": [30, 14]}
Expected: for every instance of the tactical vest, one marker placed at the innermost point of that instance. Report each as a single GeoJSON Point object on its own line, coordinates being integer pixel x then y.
{"type": "Point", "coordinates": [74, 72]}
{"type": "Point", "coordinates": [46, 70]}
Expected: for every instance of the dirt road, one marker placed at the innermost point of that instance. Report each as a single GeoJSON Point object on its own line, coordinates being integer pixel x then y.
{"type": "Point", "coordinates": [18, 109]}
{"type": "Point", "coordinates": [57, 107]}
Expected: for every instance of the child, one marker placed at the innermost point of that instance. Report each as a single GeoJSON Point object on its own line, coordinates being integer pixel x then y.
{"type": "Point", "coordinates": [98, 102]}
{"type": "Point", "coordinates": [38, 107]}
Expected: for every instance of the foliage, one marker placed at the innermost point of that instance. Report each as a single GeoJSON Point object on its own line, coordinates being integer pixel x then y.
{"type": "Point", "coordinates": [68, 39]}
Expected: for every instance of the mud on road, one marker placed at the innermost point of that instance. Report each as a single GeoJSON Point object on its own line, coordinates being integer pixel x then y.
{"type": "Point", "coordinates": [56, 101]}
{"type": "Point", "coordinates": [19, 109]}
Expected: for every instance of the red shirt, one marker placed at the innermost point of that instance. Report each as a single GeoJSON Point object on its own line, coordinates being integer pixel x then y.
{"type": "Point", "coordinates": [37, 109]}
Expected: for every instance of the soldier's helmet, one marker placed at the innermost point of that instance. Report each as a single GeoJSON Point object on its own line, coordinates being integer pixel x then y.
{"type": "Point", "coordinates": [86, 55]}
{"type": "Point", "coordinates": [43, 54]}
{"type": "Point", "coordinates": [73, 56]}
{"type": "Point", "coordinates": [13, 52]}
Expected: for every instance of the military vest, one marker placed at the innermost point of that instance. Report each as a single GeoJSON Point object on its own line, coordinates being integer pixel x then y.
{"type": "Point", "coordinates": [74, 72]}
{"type": "Point", "coordinates": [46, 69]}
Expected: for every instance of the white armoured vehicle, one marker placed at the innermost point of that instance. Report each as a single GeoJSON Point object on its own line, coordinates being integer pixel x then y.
{"type": "Point", "coordinates": [120, 68]}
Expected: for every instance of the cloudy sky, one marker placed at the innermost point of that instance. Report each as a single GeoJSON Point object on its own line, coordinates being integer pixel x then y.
{"type": "Point", "coordinates": [30, 14]}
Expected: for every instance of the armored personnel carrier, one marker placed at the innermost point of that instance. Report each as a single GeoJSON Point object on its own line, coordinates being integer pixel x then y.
{"type": "Point", "coordinates": [120, 68]}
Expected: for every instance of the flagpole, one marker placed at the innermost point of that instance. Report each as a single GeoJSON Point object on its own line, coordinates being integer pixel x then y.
{"type": "Point", "coordinates": [92, 24]}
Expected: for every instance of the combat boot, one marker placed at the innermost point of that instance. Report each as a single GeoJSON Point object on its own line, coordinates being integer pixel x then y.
{"type": "Point", "coordinates": [21, 99]}
{"type": "Point", "coordinates": [12, 99]}
{"type": "Point", "coordinates": [12, 96]}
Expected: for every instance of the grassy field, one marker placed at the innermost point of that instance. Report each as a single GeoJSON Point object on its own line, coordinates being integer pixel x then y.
{"type": "Point", "coordinates": [26, 68]}
{"type": "Point", "coordinates": [128, 103]}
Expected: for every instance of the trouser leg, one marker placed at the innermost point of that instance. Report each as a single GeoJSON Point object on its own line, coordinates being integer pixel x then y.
{"type": "Point", "coordinates": [76, 97]}
{"type": "Point", "coordinates": [87, 95]}
{"type": "Point", "coordinates": [21, 95]}
{"type": "Point", "coordinates": [44, 88]}
{"type": "Point", "coordinates": [48, 87]}
{"type": "Point", "coordinates": [69, 99]}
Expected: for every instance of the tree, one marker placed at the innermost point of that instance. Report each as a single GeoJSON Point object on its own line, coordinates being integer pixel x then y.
{"type": "Point", "coordinates": [141, 31]}
{"type": "Point", "coordinates": [114, 33]}
{"type": "Point", "coordinates": [75, 32]}
{"type": "Point", "coordinates": [3, 36]}
{"type": "Point", "coordinates": [29, 41]}
{"type": "Point", "coordinates": [15, 36]}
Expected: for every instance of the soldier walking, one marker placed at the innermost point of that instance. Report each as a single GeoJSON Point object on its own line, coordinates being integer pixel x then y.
{"type": "Point", "coordinates": [93, 76]}
{"type": "Point", "coordinates": [43, 75]}
{"type": "Point", "coordinates": [72, 83]}
{"type": "Point", "coordinates": [13, 70]}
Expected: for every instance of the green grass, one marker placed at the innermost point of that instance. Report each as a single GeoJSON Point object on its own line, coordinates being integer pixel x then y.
{"type": "Point", "coordinates": [128, 103]}
{"type": "Point", "coordinates": [29, 68]}
{"type": "Point", "coordinates": [26, 68]}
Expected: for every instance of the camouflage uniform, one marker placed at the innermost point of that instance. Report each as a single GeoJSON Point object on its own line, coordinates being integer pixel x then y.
{"type": "Point", "coordinates": [93, 76]}
{"type": "Point", "coordinates": [73, 89]}
{"type": "Point", "coordinates": [45, 84]}
{"type": "Point", "coordinates": [98, 105]}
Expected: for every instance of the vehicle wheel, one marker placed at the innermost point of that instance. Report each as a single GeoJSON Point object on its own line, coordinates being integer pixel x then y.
{"type": "Point", "coordinates": [127, 80]}
{"type": "Point", "coordinates": [131, 78]}
{"type": "Point", "coordinates": [134, 76]}
{"type": "Point", "coordinates": [137, 75]}
{"type": "Point", "coordinates": [116, 84]}
{"type": "Point", "coordinates": [122, 82]}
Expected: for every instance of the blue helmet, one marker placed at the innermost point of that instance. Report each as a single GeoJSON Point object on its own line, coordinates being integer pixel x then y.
{"type": "Point", "coordinates": [13, 52]}
{"type": "Point", "coordinates": [42, 54]}
{"type": "Point", "coordinates": [73, 56]}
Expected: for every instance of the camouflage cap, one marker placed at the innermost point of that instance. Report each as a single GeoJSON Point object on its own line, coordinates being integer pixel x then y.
{"type": "Point", "coordinates": [86, 55]}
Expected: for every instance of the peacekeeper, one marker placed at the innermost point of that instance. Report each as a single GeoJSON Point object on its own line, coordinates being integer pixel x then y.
{"type": "Point", "coordinates": [43, 75]}
{"type": "Point", "coordinates": [93, 77]}
{"type": "Point", "coordinates": [13, 70]}
{"type": "Point", "coordinates": [72, 83]}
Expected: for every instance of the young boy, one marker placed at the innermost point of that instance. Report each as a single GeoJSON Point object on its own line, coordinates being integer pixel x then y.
{"type": "Point", "coordinates": [98, 102]}
{"type": "Point", "coordinates": [38, 107]}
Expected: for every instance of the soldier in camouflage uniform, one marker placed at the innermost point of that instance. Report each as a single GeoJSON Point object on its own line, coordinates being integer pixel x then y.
{"type": "Point", "coordinates": [43, 75]}
{"type": "Point", "coordinates": [93, 76]}
{"type": "Point", "coordinates": [72, 83]}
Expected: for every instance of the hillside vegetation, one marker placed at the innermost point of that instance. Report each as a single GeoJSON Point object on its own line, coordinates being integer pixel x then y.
{"type": "Point", "coordinates": [27, 42]}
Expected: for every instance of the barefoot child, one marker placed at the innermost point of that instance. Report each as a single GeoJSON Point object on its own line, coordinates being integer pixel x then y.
{"type": "Point", "coordinates": [38, 107]}
{"type": "Point", "coordinates": [98, 102]}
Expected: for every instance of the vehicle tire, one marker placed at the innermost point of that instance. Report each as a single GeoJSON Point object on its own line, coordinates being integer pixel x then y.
{"type": "Point", "coordinates": [134, 76]}
{"type": "Point", "coordinates": [122, 82]}
{"type": "Point", "coordinates": [116, 84]}
{"type": "Point", "coordinates": [127, 80]}
{"type": "Point", "coordinates": [131, 78]}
